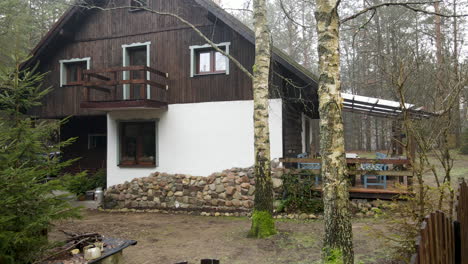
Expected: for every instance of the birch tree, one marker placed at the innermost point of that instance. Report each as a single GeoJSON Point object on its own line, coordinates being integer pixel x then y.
{"type": "Point", "coordinates": [338, 229]}
{"type": "Point", "coordinates": [262, 220]}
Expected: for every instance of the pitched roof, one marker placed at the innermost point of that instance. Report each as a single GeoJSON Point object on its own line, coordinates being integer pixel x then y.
{"type": "Point", "coordinates": [221, 14]}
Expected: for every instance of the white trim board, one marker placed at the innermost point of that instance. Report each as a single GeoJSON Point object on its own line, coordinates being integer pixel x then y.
{"type": "Point", "coordinates": [63, 76]}
{"type": "Point", "coordinates": [126, 74]}
{"type": "Point", "coordinates": [192, 56]}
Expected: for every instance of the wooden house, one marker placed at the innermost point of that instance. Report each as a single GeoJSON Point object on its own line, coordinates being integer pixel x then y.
{"type": "Point", "coordinates": [146, 93]}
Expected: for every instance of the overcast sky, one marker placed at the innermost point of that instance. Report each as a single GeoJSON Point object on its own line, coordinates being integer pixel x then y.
{"type": "Point", "coordinates": [232, 3]}
{"type": "Point", "coordinates": [464, 47]}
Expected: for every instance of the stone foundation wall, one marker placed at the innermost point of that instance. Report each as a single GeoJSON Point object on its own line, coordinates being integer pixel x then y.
{"type": "Point", "coordinates": [228, 191]}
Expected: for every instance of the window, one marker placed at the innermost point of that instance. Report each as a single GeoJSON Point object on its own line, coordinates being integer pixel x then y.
{"type": "Point", "coordinates": [97, 141]}
{"type": "Point", "coordinates": [206, 60]}
{"type": "Point", "coordinates": [138, 144]}
{"type": "Point", "coordinates": [71, 71]}
{"type": "Point", "coordinates": [135, 4]}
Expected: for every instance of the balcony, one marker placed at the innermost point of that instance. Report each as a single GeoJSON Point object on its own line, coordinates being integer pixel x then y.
{"type": "Point", "coordinates": [118, 88]}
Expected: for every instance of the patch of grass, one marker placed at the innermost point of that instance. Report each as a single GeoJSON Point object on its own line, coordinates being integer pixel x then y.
{"type": "Point", "coordinates": [305, 240]}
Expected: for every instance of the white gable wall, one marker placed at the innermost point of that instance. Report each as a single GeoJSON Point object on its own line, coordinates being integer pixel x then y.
{"type": "Point", "coordinates": [196, 139]}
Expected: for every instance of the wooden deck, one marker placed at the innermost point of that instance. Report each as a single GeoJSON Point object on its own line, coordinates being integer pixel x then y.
{"type": "Point", "coordinates": [358, 191]}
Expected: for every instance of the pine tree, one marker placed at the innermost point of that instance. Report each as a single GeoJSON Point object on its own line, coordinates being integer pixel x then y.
{"type": "Point", "coordinates": [27, 202]}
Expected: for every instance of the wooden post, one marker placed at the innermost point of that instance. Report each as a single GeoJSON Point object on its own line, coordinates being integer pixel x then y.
{"type": "Point", "coordinates": [85, 91]}
{"type": "Point", "coordinates": [113, 92]}
{"type": "Point", "coordinates": [145, 86]}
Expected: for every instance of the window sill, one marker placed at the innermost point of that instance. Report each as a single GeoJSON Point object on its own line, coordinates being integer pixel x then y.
{"type": "Point", "coordinates": [209, 73]}
{"type": "Point", "coordinates": [137, 166]}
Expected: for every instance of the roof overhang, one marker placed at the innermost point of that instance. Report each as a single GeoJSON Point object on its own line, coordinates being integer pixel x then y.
{"type": "Point", "coordinates": [381, 107]}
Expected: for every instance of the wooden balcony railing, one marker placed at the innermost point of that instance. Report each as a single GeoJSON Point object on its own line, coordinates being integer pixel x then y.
{"type": "Point", "coordinates": [109, 80]}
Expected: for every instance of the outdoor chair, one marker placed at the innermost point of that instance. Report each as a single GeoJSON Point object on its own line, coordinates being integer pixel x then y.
{"type": "Point", "coordinates": [380, 155]}
{"type": "Point", "coordinates": [377, 180]}
{"type": "Point", "coordinates": [309, 166]}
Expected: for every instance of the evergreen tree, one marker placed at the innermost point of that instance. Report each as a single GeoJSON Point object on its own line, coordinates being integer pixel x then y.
{"type": "Point", "coordinates": [27, 202]}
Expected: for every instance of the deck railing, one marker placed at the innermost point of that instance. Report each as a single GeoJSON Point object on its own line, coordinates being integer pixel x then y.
{"type": "Point", "coordinates": [400, 170]}
{"type": "Point", "coordinates": [108, 80]}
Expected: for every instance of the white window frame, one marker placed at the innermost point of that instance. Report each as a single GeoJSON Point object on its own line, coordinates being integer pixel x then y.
{"type": "Point", "coordinates": [303, 134]}
{"type": "Point", "coordinates": [193, 57]}
{"type": "Point", "coordinates": [63, 68]}
{"type": "Point", "coordinates": [126, 61]}
{"type": "Point", "coordinates": [94, 135]}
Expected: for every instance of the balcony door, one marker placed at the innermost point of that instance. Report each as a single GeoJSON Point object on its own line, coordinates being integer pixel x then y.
{"type": "Point", "coordinates": [136, 54]}
{"type": "Point", "coordinates": [137, 57]}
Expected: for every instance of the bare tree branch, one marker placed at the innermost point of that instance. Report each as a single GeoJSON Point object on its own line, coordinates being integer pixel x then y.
{"type": "Point", "coordinates": [238, 9]}
{"type": "Point", "coordinates": [405, 5]}
{"type": "Point", "coordinates": [290, 17]}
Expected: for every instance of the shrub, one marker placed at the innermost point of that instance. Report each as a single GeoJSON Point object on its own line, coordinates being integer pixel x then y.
{"type": "Point", "coordinates": [298, 193]}
{"type": "Point", "coordinates": [80, 183]}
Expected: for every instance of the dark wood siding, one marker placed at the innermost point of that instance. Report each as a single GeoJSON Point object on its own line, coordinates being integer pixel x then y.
{"type": "Point", "coordinates": [101, 34]}
{"type": "Point", "coordinates": [80, 128]}
{"type": "Point", "coordinates": [292, 129]}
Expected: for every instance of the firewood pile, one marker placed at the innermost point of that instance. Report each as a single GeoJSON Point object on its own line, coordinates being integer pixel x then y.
{"type": "Point", "coordinates": [74, 249]}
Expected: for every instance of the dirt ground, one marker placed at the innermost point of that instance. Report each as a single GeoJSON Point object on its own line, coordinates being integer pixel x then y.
{"type": "Point", "coordinates": [166, 238]}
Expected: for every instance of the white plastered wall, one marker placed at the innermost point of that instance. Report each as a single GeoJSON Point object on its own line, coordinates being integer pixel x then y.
{"type": "Point", "coordinates": [196, 139]}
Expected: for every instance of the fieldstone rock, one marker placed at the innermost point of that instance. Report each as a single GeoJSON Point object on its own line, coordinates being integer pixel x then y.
{"type": "Point", "coordinates": [303, 216]}
{"type": "Point", "coordinates": [277, 183]}
{"type": "Point", "coordinates": [201, 183]}
{"type": "Point", "coordinates": [236, 202]}
{"type": "Point", "coordinates": [212, 187]}
{"type": "Point", "coordinates": [237, 195]}
{"type": "Point", "coordinates": [230, 190]}
{"type": "Point", "coordinates": [178, 194]}
{"type": "Point", "coordinates": [217, 214]}
{"type": "Point", "coordinates": [251, 190]}
{"type": "Point", "coordinates": [219, 188]}
{"type": "Point", "coordinates": [170, 193]}
{"type": "Point", "coordinates": [312, 216]}
{"type": "Point", "coordinates": [245, 185]}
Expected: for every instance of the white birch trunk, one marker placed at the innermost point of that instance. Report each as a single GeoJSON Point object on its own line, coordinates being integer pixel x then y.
{"type": "Point", "coordinates": [338, 229]}
{"type": "Point", "coordinates": [262, 220]}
